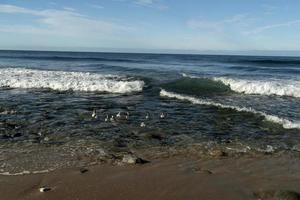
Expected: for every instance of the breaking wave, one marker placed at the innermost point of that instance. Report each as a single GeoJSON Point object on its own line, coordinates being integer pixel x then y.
{"type": "Point", "coordinates": [287, 124]}
{"type": "Point", "coordinates": [64, 81]}
{"type": "Point", "coordinates": [270, 87]}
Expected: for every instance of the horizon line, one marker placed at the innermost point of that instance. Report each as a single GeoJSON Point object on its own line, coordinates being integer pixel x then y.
{"type": "Point", "coordinates": [276, 53]}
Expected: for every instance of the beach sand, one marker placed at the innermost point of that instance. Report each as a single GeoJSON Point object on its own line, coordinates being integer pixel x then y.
{"type": "Point", "coordinates": [166, 179]}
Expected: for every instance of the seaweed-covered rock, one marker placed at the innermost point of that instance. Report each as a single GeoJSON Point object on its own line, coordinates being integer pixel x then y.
{"type": "Point", "coordinates": [277, 195]}
{"type": "Point", "coordinates": [286, 195]}
{"type": "Point", "coordinates": [296, 147]}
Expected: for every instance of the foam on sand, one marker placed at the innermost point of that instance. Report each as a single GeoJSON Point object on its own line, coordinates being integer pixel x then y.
{"type": "Point", "coordinates": [63, 81]}
{"type": "Point", "coordinates": [287, 124]}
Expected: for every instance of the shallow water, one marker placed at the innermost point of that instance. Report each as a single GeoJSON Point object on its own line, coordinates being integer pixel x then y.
{"type": "Point", "coordinates": [47, 100]}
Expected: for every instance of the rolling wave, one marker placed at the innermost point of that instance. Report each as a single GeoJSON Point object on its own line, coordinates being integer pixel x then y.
{"type": "Point", "coordinates": [64, 81]}
{"type": "Point", "coordinates": [270, 87]}
{"type": "Point", "coordinates": [203, 86]}
{"type": "Point", "coordinates": [279, 88]}
{"type": "Point", "coordinates": [287, 124]}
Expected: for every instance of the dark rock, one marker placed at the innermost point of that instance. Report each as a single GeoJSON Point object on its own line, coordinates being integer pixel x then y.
{"type": "Point", "coordinates": [286, 195]}
{"type": "Point", "coordinates": [17, 135]}
{"type": "Point", "coordinates": [277, 195]}
{"type": "Point", "coordinates": [206, 171]}
{"type": "Point", "coordinates": [120, 143]}
{"type": "Point", "coordinates": [264, 195]}
{"type": "Point", "coordinates": [141, 161]}
{"type": "Point", "coordinates": [296, 147]}
{"type": "Point", "coordinates": [200, 170]}
{"type": "Point", "coordinates": [156, 136]}
{"type": "Point", "coordinates": [83, 170]}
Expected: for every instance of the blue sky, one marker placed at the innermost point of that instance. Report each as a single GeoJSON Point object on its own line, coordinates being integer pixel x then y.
{"type": "Point", "coordinates": [200, 25]}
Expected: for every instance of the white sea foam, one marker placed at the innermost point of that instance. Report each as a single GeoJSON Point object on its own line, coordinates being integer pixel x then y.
{"type": "Point", "coordinates": [25, 172]}
{"type": "Point", "coordinates": [63, 81]}
{"type": "Point", "coordinates": [280, 88]}
{"type": "Point", "coordinates": [287, 124]}
{"type": "Point", "coordinates": [262, 87]}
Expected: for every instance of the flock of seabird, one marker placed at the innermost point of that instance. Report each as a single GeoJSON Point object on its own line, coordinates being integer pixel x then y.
{"type": "Point", "coordinates": [124, 116]}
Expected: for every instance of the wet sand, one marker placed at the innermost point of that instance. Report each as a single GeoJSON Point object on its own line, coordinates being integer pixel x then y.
{"type": "Point", "coordinates": [167, 179]}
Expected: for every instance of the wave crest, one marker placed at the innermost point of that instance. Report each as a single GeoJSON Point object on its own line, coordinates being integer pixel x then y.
{"type": "Point", "coordinates": [287, 124]}
{"type": "Point", "coordinates": [63, 81]}
{"type": "Point", "coordinates": [262, 87]}
{"type": "Point", "coordinates": [270, 87]}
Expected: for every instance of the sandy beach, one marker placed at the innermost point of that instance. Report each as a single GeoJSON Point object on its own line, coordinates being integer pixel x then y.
{"type": "Point", "coordinates": [264, 177]}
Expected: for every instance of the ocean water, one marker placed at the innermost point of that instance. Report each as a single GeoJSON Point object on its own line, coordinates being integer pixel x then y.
{"type": "Point", "coordinates": [47, 100]}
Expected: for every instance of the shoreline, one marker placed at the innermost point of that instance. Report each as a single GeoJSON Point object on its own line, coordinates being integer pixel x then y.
{"type": "Point", "coordinates": [171, 178]}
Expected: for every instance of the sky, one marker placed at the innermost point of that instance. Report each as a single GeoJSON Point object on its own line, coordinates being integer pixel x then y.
{"type": "Point", "coordinates": [153, 25]}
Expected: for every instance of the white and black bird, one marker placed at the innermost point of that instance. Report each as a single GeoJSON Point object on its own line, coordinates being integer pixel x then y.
{"type": "Point", "coordinates": [44, 189]}
{"type": "Point", "coordinates": [143, 124]}
{"type": "Point", "coordinates": [118, 115]}
{"type": "Point", "coordinates": [106, 118]}
{"type": "Point", "coordinates": [94, 114]}
{"type": "Point", "coordinates": [147, 116]}
{"type": "Point", "coordinates": [112, 118]}
{"type": "Point", "coordinates": [127, 116]}
{"type": "Point", "coordinates": [162, 115]}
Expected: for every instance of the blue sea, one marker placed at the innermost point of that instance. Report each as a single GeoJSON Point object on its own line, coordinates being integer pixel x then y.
{"type": "Point", "coordinates": [66, 109]}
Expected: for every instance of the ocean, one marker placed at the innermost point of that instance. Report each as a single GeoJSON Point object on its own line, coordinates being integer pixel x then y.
{"type": "Point", "coordinates": [66, 109]}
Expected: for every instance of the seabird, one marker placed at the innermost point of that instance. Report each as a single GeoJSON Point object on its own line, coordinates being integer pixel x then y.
{"type": "Point", "coordinates": [127, 115]}
{"type": "Point", "coordinates": [106, 118]}
{"type": "Point", "coordinates": [112, 119]}
{"type": "Point", "coordinates": [162, 115]}
{"type": "Point", "coordinates": [94, 114]}
{"type": "Point", "coordinates": [143, 124]}
{"type": "Point", "coordinates": [147, 116]}
{"type": "Point", "coordinates": [118, 115]}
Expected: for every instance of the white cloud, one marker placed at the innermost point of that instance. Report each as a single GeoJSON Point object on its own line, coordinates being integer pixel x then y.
{"type": "Point", "coordinates": [156, 4]}
{"type": "Point", "coordinates": [64, 22]}
{"type": "Point", "coordinates": [5, 8]}
{"type": "Point", "coordinates": [218, 26]}
{"type": "Point", "coordinates": [144, 2]}
{"type": "Point", "coordinates": [96, 6]}
{"type": "Point", "coordinates": [152, 3]}
{"type": "Point", "coordinates": [273, 26]}
{"type": "Point", "coordinates": [69, 9]}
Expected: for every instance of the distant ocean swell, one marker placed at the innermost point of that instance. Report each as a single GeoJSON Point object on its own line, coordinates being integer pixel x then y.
{"type": "Point", "coordinates": [287, 124]}
{"type": "Point", "coordinates": [70, 58]}
{"type": "Point", "coordinates": [64, 81]}
{"type": "Point", "coordinates": [272, 87]}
